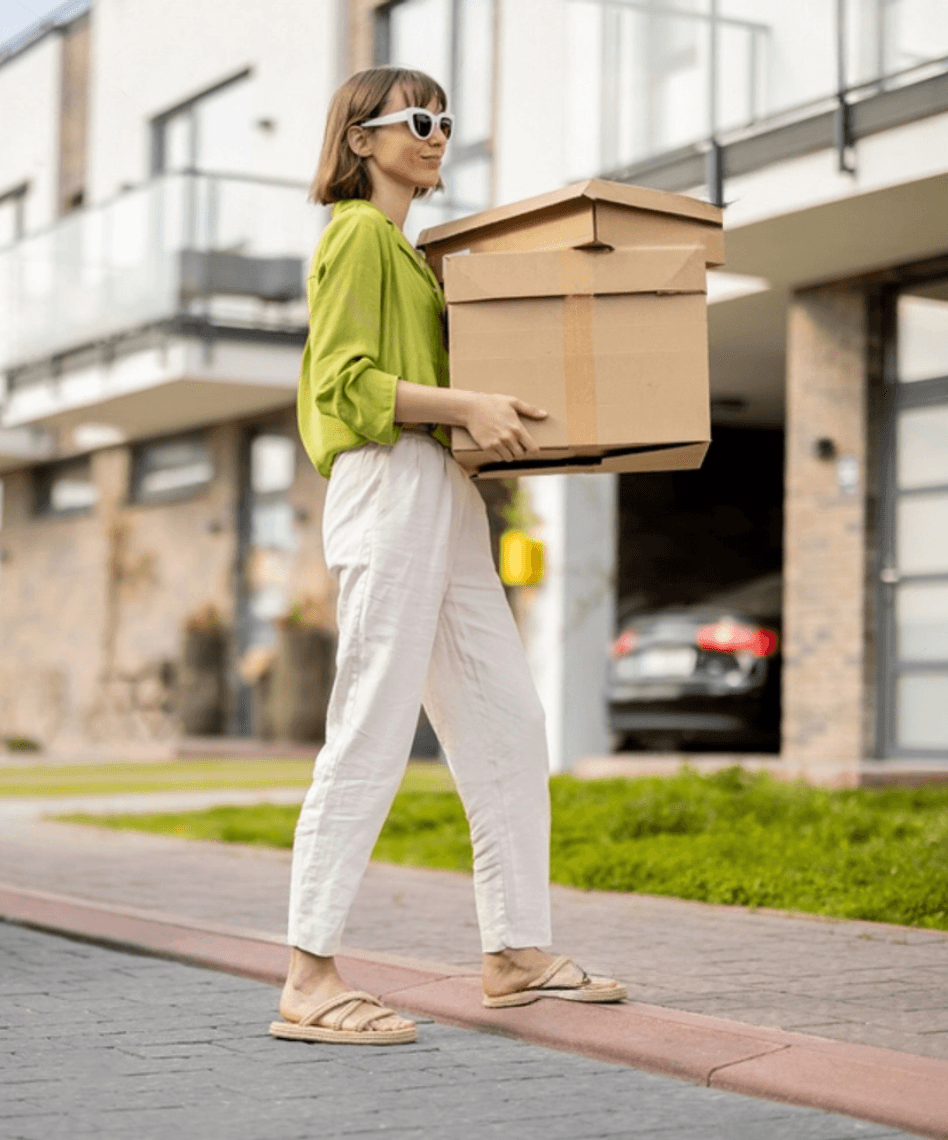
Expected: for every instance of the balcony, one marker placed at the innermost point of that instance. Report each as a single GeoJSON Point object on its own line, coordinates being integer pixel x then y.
{"type": "Point", "coordinates": [689, 93]}
{"type": "Point", "coordinates": [180, 301]}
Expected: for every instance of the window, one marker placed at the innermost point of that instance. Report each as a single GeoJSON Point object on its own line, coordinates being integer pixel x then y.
{"type": "Point", "coordinates": [64, 488]}
{"type": "Point", "coordinates": [213, 131]}
{"type": "Point", "coordinates": [171, 468]}
{"type": "Point", "coordinates": [453, 41]}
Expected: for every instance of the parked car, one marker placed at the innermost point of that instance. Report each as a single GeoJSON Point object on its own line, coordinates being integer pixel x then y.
{"type": "Point", "coordinates": [701, 675]}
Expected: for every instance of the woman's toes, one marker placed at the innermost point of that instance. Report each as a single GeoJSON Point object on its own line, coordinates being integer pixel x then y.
{"type": "Point", "coordinates": [392, 1021]}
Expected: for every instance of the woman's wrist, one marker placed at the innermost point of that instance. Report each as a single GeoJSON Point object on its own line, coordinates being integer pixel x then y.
{"type": "Point", "coordinates": [426, 404]}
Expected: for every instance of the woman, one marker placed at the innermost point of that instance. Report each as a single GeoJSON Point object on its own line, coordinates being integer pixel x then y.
{"type": "Point", "coordinates": [421, 612]}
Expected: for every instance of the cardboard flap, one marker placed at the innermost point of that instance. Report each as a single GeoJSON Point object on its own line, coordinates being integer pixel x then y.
{"type": "Point", "coordinates": [574, 272]}
{"type": "Point", "coordinates": [592, 190]}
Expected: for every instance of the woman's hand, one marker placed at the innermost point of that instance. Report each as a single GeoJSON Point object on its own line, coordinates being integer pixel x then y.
{"type": "Point", "coordinates": [494, 423]}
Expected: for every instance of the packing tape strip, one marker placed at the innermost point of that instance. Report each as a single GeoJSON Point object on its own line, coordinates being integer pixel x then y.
{"type": "Point", "coordinates": [579, 371]}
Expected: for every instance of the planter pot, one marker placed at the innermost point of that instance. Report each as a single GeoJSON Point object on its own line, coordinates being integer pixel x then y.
{"type": "Point", "coordinates": [202, 682]}
{"type": "Point", "coordinates": [300, 683]}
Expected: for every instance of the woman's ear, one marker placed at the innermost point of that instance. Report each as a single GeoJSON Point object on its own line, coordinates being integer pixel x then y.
{"type": "Point", "coordinates": [359, 141]}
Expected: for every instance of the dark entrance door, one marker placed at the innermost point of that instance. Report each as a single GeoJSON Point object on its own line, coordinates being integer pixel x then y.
{"type": "Point", "coordinates": [914, 574]}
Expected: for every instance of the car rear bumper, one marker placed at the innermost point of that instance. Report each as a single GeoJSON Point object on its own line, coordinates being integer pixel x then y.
{"type": "Point", "coordinates": [651, 720]}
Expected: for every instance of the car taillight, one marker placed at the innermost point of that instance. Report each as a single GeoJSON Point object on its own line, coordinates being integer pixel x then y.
{"type": "Point", "coordinates": [729, 637]}
{"type": "Point", "coordinates": [624, 643]}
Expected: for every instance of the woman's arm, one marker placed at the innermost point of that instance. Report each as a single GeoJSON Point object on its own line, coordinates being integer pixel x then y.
{"type": "Point", "coordinates": [493, 422]}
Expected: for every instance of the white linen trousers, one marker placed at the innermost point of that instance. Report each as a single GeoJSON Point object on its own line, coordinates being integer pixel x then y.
{"type": "Point", "coordinates": [422, 618]}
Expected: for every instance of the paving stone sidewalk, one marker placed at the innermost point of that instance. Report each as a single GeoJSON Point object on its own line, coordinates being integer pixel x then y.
{"type": "Point", "coordinates": [95, 1043]}
{"type": "Point", "coordinates": [852, 981]}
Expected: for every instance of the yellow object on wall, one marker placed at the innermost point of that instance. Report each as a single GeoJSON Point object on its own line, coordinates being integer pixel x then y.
{"type": "Point", "coordinates": [521, 559]}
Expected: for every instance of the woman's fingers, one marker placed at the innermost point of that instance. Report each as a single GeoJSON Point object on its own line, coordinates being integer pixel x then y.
{"type": "Point", "coordinates": [528, 410]}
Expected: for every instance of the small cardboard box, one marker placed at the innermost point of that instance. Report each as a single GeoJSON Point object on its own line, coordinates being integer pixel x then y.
{"type": "Point", "coordinates": [613, 344]}
{"type": "Point", "coordinates": [596, 214]}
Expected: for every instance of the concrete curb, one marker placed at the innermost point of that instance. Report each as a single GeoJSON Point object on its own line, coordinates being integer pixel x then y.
{"type": "Point", "coordinates": [900, 1090]}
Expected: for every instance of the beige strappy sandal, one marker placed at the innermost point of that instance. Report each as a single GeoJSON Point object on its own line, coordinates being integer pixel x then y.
{"type": "Point", "coordinates": [589, 988]}
{"type": "Point", "coordinates": [358, 1033]}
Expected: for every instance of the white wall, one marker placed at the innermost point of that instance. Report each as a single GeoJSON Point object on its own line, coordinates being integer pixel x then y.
{"type": "Point", "coordinates": [29, 128]}
{"type": "Point", "coordinates": [151, 56]}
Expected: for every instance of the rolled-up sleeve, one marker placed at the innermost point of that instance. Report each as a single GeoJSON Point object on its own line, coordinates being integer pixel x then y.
{"type": "Point", "coordinates": [345, 316]}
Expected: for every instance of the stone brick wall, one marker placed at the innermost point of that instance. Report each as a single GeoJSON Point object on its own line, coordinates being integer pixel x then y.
{"type": "Point", "coordinates": [52, 605]}
{"type": "Point", "coordinates": [824, 732]}
{"type": "Point", "coordinates": [93, 605]}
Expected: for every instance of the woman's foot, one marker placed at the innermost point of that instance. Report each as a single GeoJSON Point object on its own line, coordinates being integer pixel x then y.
{"type": "Point", "coordinates": [514, 969]}
{"type": "Point", "coordinates": [519, 976]}
{"type": "Point", "coordinates": [312, 980]}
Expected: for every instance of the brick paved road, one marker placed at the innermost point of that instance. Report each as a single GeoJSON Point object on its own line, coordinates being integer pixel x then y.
{"type": "Point", "coordinates": [860, 982]}
{"type": "Point", "coordinates": [102, 1044]}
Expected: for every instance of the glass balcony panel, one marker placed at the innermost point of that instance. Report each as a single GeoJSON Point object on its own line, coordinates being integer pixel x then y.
{"type": "Point", "coordinates": [646, 65]}
{"type": "Point", "coordinates": [922, 533]}
{"type": "Point", "coordinates": [921, 704]}
{"type": "Point", "coordinates": [922, 447]}
{"type": "Point", "coordinates": [902, 34]}
{"type": "Point", "coordinates": [922, 340]}
{"type": "Point", "coordinates": [113, 268]}
{"type": "Point", "coordinates": [921, 611]}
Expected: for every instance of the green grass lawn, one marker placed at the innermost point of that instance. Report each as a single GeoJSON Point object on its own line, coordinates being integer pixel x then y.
{"type": "Point", "coordinates": [731, 837]}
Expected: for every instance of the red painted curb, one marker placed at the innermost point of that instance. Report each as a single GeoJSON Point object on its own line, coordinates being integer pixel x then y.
{"type": "Point", "coordinates": [896, 1089]}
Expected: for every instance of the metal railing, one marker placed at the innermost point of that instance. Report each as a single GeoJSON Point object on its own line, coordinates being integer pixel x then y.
{"type": "Point", "coordinates": [673, 74]}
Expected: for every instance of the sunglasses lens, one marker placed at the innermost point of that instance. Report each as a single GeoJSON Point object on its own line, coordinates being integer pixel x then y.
{"type": "Point", "coordinates": [446, 124]}
{"type": "Point", "coordinates": [422, 124]}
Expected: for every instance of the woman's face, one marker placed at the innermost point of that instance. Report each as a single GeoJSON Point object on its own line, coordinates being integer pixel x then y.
{"type": "Point", "coordinates": [394, 153]}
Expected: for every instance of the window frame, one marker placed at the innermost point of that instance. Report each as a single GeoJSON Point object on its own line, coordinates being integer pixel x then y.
{"type": "Point", "coordinates": [159, 123]}
{"type": "Point", "coordinates": [44, 477]}
{"type": "Point", "coordinates": [138, 470]}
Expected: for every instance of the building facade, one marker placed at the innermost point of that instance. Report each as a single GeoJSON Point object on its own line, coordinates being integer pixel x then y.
{"type": "Point", "coordinates": [154, 235]}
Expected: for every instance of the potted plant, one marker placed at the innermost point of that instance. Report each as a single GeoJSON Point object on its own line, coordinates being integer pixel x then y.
{"type": "Point", "coordinates": [302, 672]}
{"type": "Point", "coordinates": [202, 680]}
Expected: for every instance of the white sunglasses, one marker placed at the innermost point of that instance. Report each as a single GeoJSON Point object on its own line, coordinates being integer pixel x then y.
{"type": "Point", "coordinates": [421, 122]}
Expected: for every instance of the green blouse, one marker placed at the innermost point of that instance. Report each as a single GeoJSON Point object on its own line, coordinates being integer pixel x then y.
{"type": "Point", "coordinates": [375, 316]}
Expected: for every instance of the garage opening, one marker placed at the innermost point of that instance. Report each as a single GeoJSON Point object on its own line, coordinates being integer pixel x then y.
{"type": "Point", "coordinates": [696, 663]}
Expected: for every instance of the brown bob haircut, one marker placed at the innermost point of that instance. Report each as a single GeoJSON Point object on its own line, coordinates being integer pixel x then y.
{"type": "Point", "coordinates": [343, 174]}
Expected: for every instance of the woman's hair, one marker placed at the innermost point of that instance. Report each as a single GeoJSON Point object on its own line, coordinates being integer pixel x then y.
{"type": "Point", "coordinates": [342, 173]}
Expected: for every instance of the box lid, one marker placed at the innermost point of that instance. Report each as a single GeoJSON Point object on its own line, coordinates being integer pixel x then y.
{"type": "Point", "coordinates": [573, 272]}
{"type": "Point", "coordinates": [592, 190]}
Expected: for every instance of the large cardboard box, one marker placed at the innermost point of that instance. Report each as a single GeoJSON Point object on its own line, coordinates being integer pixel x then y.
{"type": "Point", "coordinates": [596, 214]}
{"type": "Point", "coordinates": [590, 302]}
{"type": "Point", "coordinates": [613, 344]}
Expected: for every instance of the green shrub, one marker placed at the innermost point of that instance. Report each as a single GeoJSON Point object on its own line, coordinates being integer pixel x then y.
{"type": "Point", "coordinates": [733, 837]}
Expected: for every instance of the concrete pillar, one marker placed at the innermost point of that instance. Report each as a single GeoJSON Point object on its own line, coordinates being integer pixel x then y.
{"type": "Point", "coordinates": [568, 619]}
{"type": "Point", "coordinates": [824, 592]}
